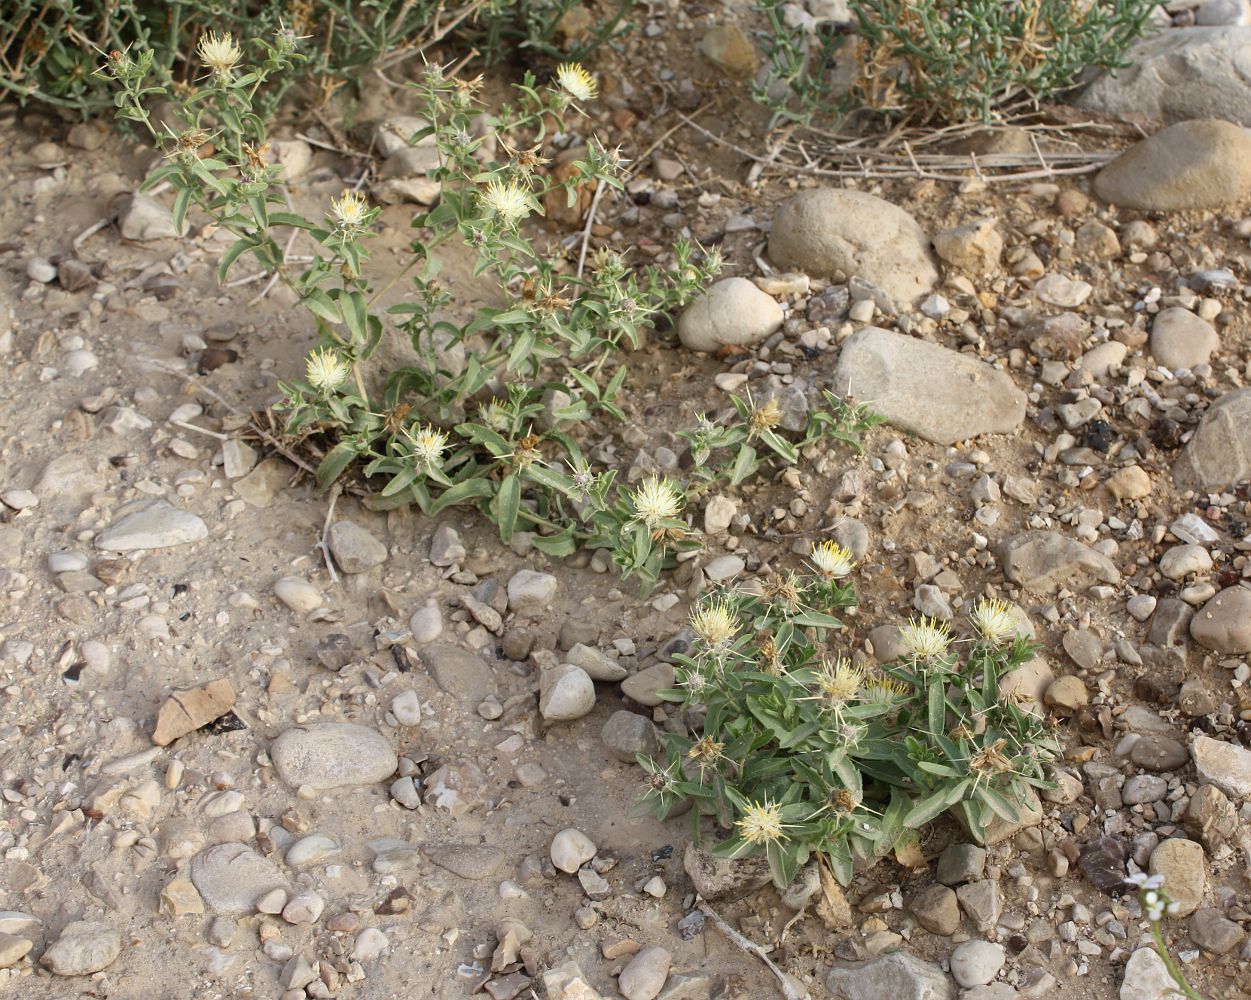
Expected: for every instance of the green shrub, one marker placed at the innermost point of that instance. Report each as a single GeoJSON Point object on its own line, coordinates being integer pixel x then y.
{"type": "Point", "coordinates": [803, 753]}
{"type": "Point", "coordinates": [51, 48]}
{"type": "Point", "coordinates": [954, 60]}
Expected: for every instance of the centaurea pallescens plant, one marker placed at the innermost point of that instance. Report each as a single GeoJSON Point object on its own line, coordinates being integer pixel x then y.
{"type": "Point", "coordinates": [488, 412]}
{"type": "Point", "coordinates": [795, 750]}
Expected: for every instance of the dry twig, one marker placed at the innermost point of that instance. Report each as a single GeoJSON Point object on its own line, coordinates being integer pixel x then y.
{"type": "Point", "coordinates": [790, 989]}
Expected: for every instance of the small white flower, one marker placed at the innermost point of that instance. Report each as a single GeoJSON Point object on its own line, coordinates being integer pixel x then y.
{"type": "Point", "coordinates": [994, 620]}
{"type": "Point", "coordinates": [1151, 897]}
{"type": "Point", "coordinates": [1144, 881]}
{"type": "Point", "coordinates": [326, 370]}
{"type": "Point", "coordinates": [576, 81]}
{"type": "Point", "coordinates": [832, 560]}
{"type": "Point", "coordinates": [219, 53]}
{"type": "Point", "coordinates": [656, 500]}
{"type": "Point", "coordinates": [428, 446]}
{"type": "Point", "coordinates": [508, 201]}
{"type": "Point", "coordinates": [926, 638]}
{"type": "Point", "coordinates": [350, 209]}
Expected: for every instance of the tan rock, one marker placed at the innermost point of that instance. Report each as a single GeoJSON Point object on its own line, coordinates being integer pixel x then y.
{"type": "Point", "coordinates": [184, 712]}
{"type": "Point", "coordinates": [179, 898]}
{"type": "Point", "coordinates": [1130, 483]}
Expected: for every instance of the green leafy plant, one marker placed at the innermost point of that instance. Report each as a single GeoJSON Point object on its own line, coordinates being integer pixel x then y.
{"type": "Point", "coordinates": [800, 752]}
{"type": "Point", "coordinates": [49, 50]}
{"type": "Point", "coordinates": [956, 60]}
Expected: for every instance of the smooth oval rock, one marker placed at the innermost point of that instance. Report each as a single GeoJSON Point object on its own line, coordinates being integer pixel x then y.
{"type": "Point", "coordinates": [464, 675]}
{"type": "Point", "coordinates": [976, 963]}
{"type": "Point", "coordinates": [826, 231]}
{"type": "Point", "coordinates": [1224, 623]}
{"type": "Point", "coordinates": [354, 549]}
{"type": "Point", "coordinates": [644, 975]}
{"type": "Point", "coordinates": [329, 755]}
{"type": "Point", "coordinates": [83, 947]}
{"type": "Point", "coordinates": [297, 594]}
{"type": "Point", "coordinates": [732, 313]}
{"type": "Point", "coordinates": [530, 592]}
{"type": "Point", "coordinates": [1180, 339]}
{"type": "Point", "coordinates": [1202, 164]}
{"type": "Point", "coordinates": [931, 391]}
{"type": "Point", "coordinates": [566, 692]}
{"type": "Point", "coordinates": [160, 525]}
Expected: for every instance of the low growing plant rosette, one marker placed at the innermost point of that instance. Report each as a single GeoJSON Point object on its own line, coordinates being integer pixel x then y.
{"type": "Point", "coordinates": [797, 751]}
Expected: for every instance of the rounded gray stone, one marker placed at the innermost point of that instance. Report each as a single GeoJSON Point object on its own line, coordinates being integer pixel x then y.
{"type": "Point", "coordinates": [732, 313]}
{"type": "Point", "coordinates": [329, 755]}
{"type": "Point", "coordinates": [825, 231]}
{"type": "Point", "coordinates": [1180, 339]}
{"type": "Point", "coordinates": [232, 877]}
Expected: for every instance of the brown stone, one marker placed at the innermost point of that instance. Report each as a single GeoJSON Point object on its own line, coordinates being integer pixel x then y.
{"type": "Point", "coordinates": [184, 712]}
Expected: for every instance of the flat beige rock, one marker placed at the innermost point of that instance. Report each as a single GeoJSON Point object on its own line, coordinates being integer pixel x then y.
{"type": "Point", "coordinates": [184, 712]}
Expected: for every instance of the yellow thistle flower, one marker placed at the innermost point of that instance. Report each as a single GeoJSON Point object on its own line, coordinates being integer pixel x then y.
{"type": "Point", "coordinates": [765, 417]}
{"type": "Point", "coordinates": [656, 500]}
{"type": "Point", "coordinates": [509, 201]}
{"type": "Point", "coordinates": [428, 445]}
{"type": "Point", "coordinates": [761, 823]}
{"type": "Point", "coordinates": [883, 690]}
{"type": "Point", "coordinates": [350, 209]}
{"type": "Point", "coordinates": [839, 681]}
{"type": "Point", "coordinates": [715, 623]}
{"type": "Point", "coordinates": [926, 638]}
{"type": "Point", "coordinates": [326, 370]}
{"type": "Point", "coordinates": [832, 560]}
{"type": "Point", "coordinates": [576, 81]}
{"type": "Point", "coordinates": [994, 620]}
{"type": "Point", "coordinates": [219, 53]}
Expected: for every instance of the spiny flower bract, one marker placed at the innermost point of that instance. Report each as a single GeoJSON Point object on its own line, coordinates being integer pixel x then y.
{"type": "Point", "coordinates": [507, 200]}
{"type": "Point", "coordinates": [656, 500]}
{"type": "Point", "coordinates": [219, 52]}
{"type": "Point", "coordinates": [326, 370]}
{"type": "Point", "coordinates": [576, 81]}
{"type": "Point", "coordinates": [994, 620]}
{"type": "Point", "coordinates": [832, 560]}
{"type": "Point", "coordinates": [761, 823]}
{"type": "Point", "coordinates": [926, 638]}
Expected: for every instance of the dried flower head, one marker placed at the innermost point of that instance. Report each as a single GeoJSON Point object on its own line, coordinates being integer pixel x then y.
{"type": "Point", "coordinates": [765, 417]}
{"type": "Point", "coordinates": [508, 201]}
{"type": "Point", "coordinates": [326, 370]}
{"type": "Point", "coordinates": [994, 620]}
{"type": "Point", "coordinates": [350, 210]}
{"type": "Point", "coordinates": [192, 139]}
{"type": "Point", "coordinates": [839, 681]}
{"type": "Point", "coordinates": [715, 622]}
{"type": "Point", "coordinates": [991, 759]}
{"type": "Point", "coordinates": [783, 588]}
{"type": "Point", "coordinates": [428, 446]}
{"type": "Point", "coordinates": [527, 452]}
{"type": "Point", "coordinates": [772, 659]}
{"type": "Point", "coordinates": [576, 81]}
{"type": "Point", "coordinates": [219, 53]}
{"type": "Point", "coordinates": [926, 638]}
{"type": "Point", "coordinates": [656, 501]}
{"type": "Point", "coordinates": [706, 751]}
{"type": "Point", "coordinates": [761, 823]}
{"type": "Point", "coordinates": [255, 157]}
{"type": "Point", "coordinates": [843, 800]}
{"type": "Point", "coordinates": [832, 560]}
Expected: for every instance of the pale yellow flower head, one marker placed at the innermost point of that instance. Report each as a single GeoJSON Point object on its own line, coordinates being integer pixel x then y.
{"type": "Point", "coordinates": [326, 370]}
{"type": "Point", "coordinates": [926, 638]}
{"type": "Point", "coordinates": [428, 445]}
{"type": "Point", "coordinates": [350, 209]}
{"type": "Point", "coordinates": [839, 681]}
{"type": "Point", "coordinates": [576, 81]}
{"type": "Point", "coordinates": [219, 53]}
{"type": "Point", "coordinates": [715, 622]}
{"type": "Point", "coordinates": [508, 202]}
{"type": "Point", "coordinates": [832, 560]}
{"type": "Point", "coordinates": [994, 620]}
{"type": "Point", "coordinates": [656, 500]}
{"type": "Point", "coordinates": [761, 823]}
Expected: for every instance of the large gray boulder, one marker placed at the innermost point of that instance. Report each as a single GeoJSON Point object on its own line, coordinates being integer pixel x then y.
{"type": "Point", "coordinates": [1180, 74]}
{"type": "Point", "coordinates": [928, 390]}
{"type": "Point", "coordinates": [1219, 453]}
